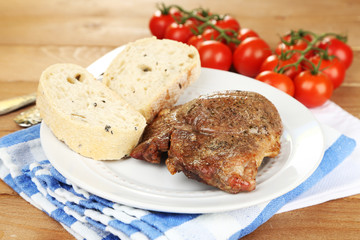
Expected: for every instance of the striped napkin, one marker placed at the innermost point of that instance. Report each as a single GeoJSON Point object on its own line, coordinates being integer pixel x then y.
{"type": "Point", "coordinates": [25, 168]}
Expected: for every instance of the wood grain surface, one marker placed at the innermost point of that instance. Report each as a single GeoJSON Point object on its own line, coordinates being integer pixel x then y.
{"type": "Point", "coordinates": [37, 33]}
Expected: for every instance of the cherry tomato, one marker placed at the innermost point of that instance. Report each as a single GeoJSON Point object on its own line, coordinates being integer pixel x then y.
{"type": "Point", "coordinates": [178, 32]}
{"type": "Point", "coordinates": [299, 44]}
{"type": "Point", "coordinates": [312, 90]}
{"type": "Point", "coordinates": [176, 14]}
{"type": "Point", "coordinates": [232, 46]}
{"type": "Point", "coordinates": [245, 33]}
{"type": "Point", "coordinates": [196, 40]}
{"type": "Point", "coordinates": [339, 49]}
{"type": "Point", "coordinates": [305, 37]}
{"type": "Point", "coordinates": [333, 69]}
{"type": "Point", "coordinates": [192, 24]}
{"type": "Point", "coordinates": [249, 56]}
{"type": "Point", "coordinates": [228, 23]}
{"type": "Point", "coordinates": [158, 24]}
{"type": "Point", "coordinates": [273, 61]}
{"type": "Point", "coordinates": [203, 14]}
{"type": "Point", "coordinates": [242, 34]}
{"type": "Point", "coordinates": [214, 54]}
{"type": "Point", "coordinates": [280, 81]}
{"type": "Point", "coordinates": [210, 34]}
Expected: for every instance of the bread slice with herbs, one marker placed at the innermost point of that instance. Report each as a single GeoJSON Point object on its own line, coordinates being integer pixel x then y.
{"type": "Point", "coordinates": [151, 74]}
{"type": "Point", "coordinates": [81, 111]}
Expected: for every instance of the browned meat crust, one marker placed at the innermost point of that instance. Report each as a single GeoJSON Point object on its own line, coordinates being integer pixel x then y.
{"type": "Point", "coordinates": [218, 139]}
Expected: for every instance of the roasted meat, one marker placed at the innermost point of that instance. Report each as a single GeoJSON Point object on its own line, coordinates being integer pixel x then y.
{"type": "Point", "coordinates": [218, 139]}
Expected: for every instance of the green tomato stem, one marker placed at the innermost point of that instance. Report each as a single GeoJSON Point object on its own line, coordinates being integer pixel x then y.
{"type": "Point", "coordinates": [311, 46]}
{"type": "Point", "coordinates": [229, 35]}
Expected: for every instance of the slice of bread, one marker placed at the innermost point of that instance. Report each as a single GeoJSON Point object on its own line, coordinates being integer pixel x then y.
{"type": "Point", "coordinates": [90, 118]}
{"type": "Point", "coordinates": [151, 74]}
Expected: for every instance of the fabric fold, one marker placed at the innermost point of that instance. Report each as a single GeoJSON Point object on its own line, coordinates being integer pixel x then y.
{"type": "Point", "coordinates": [24, 167]}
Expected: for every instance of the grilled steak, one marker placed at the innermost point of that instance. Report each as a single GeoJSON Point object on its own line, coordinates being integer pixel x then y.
{"type": "Point", "coordinates": [218, 139]}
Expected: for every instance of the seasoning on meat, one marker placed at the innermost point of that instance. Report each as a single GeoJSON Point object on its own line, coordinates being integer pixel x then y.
{"type": "Point", "coordinates": [218, 139]}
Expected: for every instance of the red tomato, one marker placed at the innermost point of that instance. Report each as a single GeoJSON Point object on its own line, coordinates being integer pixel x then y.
{"type": "Point", "coordinates": [158, 24]}
{"type": "Point", "coordinates": [178, 32]}
{"type": "Point", "coordinates": [196, 41]}
{"type": "Point", "coordinates": [339, 49]}
{"type": "Point", "coordinates": [312, 90]}
{"type": "Point", "coordinates": [192, 24]}
{"type": "Point", "coordinates": [245, 33]}
{"type": "Point", "coordinates": [204, 14]}
{"type": "Point", "coordinates": [210, 34]}
{"type": "Point", "coordinates": [299, 44]}
{"type": "Point", "coordinates": [333, 69]}
{"type": "Point", "coordinates": [214, 54]}
{"type": "Point", "coordinates": [212, 21]}
{"type": "Point", "coordinates": [176, 14]}
{"type": "Point", "coordinates": [280, 81]}
{"type": "Point", "coordinates": [228, 23]}
{"type": "Point", "coordinates": [232, 46]}
{"type": "Point", "coordinates": [249, 56]}
{"type": "Point", "coordinates": [273, 61]}
{"type": "Point", "coordinates": [242, 34]}
{"type": "Point", "coordinates": [305, 37]}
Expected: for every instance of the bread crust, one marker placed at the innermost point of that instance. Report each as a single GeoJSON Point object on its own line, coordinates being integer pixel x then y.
{"type": "Point", "coordinates": [87, 137]}
{"type": "Point", "coordinates": [169, 66]}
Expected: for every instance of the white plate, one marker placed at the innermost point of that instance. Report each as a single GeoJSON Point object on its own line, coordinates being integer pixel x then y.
{"type": "Point", "coordinates": [143, 185]}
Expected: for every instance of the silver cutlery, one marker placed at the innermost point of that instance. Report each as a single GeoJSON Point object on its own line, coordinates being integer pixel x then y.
{"type": "Point", "coordinates": [26, 118]}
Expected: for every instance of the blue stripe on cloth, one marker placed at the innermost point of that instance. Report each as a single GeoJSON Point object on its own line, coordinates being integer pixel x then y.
{"type": "Point", "coordinates": [20, 136]}
{"type": "Point", "coordinates": [101, 200]}
{"type": "Point", "coordinates": [43, 162]}
{"type": "Point", "coordinates": [61, 216]}
{"type": "Point", "coordinates": [333, 156]}
{"type": "Point", "coordinates": [154, 224]}
{"type": "Point", "coordinates": [111, 237]}
{"type": "Point", "coordinates": [33, 171]}
{"type": "Point", "coordinates": [49, 182]}
{"type": "Point", "coordinates": [26, 185]}
{"type": "Point", "coordinates": [166, 221]}
{"type": "Point", "coordinates": [102, 228]}
{"type": "Point", "coordinates": [44, 178]}
{"type": "Point", "coordinates": [127, 229]}
{"type": "Point", "coordinates": [96, 224]}
{"type": "Point", "coordinates": [63, 182]}
{"type": "Point", "coordinates": [75, 207]}
{"type": "Point", "coordinates": [10, 181]}
{"type": "Point", "coordinates": [89, 204]}
{"type": "Point", "coordinates": [25, 168]}
{"type": "Point", "coordinates": [54, 201]}
{"type": "Point", "coordinates": [71, 189]}
{"type": "Point", "coordinates": [57, 175]}
{"type": "Point", "coordinates": [148, 230]}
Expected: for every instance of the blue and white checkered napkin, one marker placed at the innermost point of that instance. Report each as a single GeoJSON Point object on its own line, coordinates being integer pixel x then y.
{"type": "Point", "coordinates": [24, 167]}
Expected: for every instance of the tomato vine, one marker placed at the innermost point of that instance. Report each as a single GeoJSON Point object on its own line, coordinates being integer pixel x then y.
{"type": "Point", "coordinates": [302, 58]}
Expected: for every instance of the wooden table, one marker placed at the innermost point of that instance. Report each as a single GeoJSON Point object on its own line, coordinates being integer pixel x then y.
{"type": "Point", "coordinates": [37, 33]}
